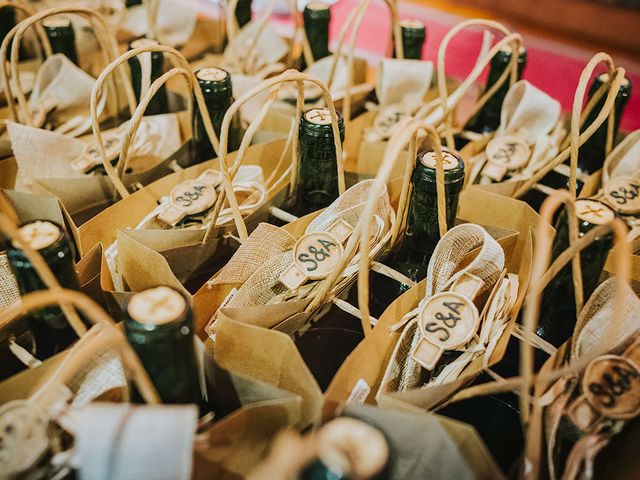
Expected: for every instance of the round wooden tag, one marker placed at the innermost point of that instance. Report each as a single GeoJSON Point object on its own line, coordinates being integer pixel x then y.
{"type": "Point", "coordinates": [23, 437]}
{"type": "Point", "coordinates": [317, 254]}
{"type": "Point", "coordinates": [193, 196]}
{"type": "Point", "coordinates": [612, 386]}
{"type": "Point", "coordinates": [593, 211]}
{"type": "Point", "coordinates": [623, 193]}
{"type": "Point", "coordinates": [448, 320]}
{"type": "Point", "coordinates": [508, 151]}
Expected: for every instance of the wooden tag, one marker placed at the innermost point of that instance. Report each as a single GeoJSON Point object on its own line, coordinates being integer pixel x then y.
{"type": "Point", "coordinates": [316, 254]}
{"type": "Point", "coordinates": [447, 321]}
{"type": "Point", "coordinates": [594, 211]}
{"type": "Point", "coordinates": [623, 194]}
{"type": "Point", "coordinates": [191, 197]}
{"type": "Point", "coordinates": [91, 158]}
{"type": "Point", "coordinates": [504, 154]}
{"type": "Point", "coordinates": [611, 388]}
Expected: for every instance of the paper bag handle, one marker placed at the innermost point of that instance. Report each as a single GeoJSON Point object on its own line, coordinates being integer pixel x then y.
{"type": "Point", "coordinates": [229, 172]}
{"type": "Point", "coordinates": [10, 229]}
{"type": "Point", "coordinates": [88, 346]}
{"type": "Point", "coordinates": [178, 60]}
{"type": "Point", "coordinates": [616, 77]}
{"type": "Point", "coordinates": [107, 42]}
{"type": "Point", "coordinates": [442, 85]}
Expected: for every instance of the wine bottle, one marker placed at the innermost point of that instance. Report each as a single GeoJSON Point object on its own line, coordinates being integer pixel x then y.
{"type": "Point", "coordinates": [592, 153]}
{"type": "Point", "coordinates": [317, 179]}
{"type": "Point", "coordinates": [488, 118]}
{"type": "Point", "coordinates": [159, 327]}
{"type": "Point", "coordinates": [51, 331]}
{"type": "Point", "coordinates": [153, 63]}
{"type": "Point", "coordinates": [414, 35]}
{"type": "Point", "coordinates": [317, 16]}
{"type": "Point", "coordinates": [348, 449]}
{"type": "Point", "coordinates": [422, 232]}
{"type": "Point", "coordinates": [216, 87]}
{"type": "Point", "coordinates": [62, 37]}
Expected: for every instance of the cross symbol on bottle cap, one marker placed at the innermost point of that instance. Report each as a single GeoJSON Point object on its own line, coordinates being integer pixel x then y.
{"type": "Point", "coordinates": [318, 116]}
{"type": "Point", "coordinates": [156, 306]}
{"type": "Point", "coordinates": [39, 234]}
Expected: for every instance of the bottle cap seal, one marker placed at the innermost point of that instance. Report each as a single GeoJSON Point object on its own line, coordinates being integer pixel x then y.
{"type": "Point", "coordinates": [157, 306]}
{"type": "Point", "coordinates": [412, 25]}
{"type": "Point", "coordinates": [317, 11]}
{"type": "Point", "coordinates": [57, 22]}
{"type": "Point", "coordinates": [40, 234]}
{"type": "Point", "coordinates": [212, 74]}
{"type": "Point", "coordinates": [450, 161]}
{"type": "Point", "coordinates": [143, 42]}
{"type": "Point", "coordinates": [318, 116]}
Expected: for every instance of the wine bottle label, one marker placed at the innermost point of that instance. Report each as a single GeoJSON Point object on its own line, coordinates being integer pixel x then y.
{"type": "Point", "coordinates": [91, 158]}
{"type": "Point", "coordinates": [623, 194]}
{"type": "Point", "coordinates": [191, 197]}
{"type": "Point", "coordinates": [450, 161]}
{"type": "Point", "coordinates": [316, 255]}
{"type": "Point", "coordinates": [611, 388]}
{"type": "Point", "coordinates": [593, 211]}
{"type": "Point", "coordinates": [318, 116]}
{"type": "Point", "coordinates": [157, 306]}
{"type": "Point", "coordinates": [39, 234]}
{"type": "Point", "coordinates": [447, 321]}
{"type": "Point", "coordinates": [504, 154]}
{"type": "Point", "coordinates": [211, 74]}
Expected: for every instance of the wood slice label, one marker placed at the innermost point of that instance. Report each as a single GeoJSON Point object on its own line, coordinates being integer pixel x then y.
{"type": "Point", "coordinates": [316, 255]}
{"type": "Point", "coordinates": [191, 197]}
{"type": "Point", "coordinates": [623, 193]}
{"type": "Point", "coordinates": [447, 321]}
{"type": "Point", "coordinates": [611, 385]}
{"type": "Point", "coordinates": [508, 151]}
{"type": "Point", "coordinates": [593, 211]}
{"type": "Point", "coordinates": [91, 157]}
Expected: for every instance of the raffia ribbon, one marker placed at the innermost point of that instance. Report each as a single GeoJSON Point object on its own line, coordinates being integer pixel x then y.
{"type": "Point", "coordinates": [527, 121]}
{"type": "Point", "coordinates": [403, 372]}
{"type": "Point", "coordinates": [263, 285]}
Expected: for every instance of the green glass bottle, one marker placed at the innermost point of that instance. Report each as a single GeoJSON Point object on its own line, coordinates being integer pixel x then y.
{"type": "Point", "coordinates": [160, 102]}
{"type": "Point", "coordinates": [317, 183]}
{"type": "Point", "coordinates": [592, 153]}
{"type": "Point", "coordinates": [216, 87]}
{"type": "Point", "coordinates": [62, 37]}
{"type": "Point", "coordinates": [557, 308]}
{"type": "Point", "coordinates": [488, 119]}
{"type": "Point", "coordinates": [159, 327]}
{"type": "Point", "coordinates": [422, 232]}
{"type": "Point", "coordinates": [414, 36]}
{"type": "Point", "coordinates": [7, 22]}
{"type": "Point", "coordinates": [243, 12]}
{"type": "Point", "coordinates": [132, 3]}
{"type": "Point", "coordinates": [317, 16]}
{"type": "Point", "coordinates": [51, 331]}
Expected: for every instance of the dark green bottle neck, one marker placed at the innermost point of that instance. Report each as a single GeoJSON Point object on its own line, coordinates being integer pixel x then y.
{"type": "Point", "coordinates": [62, 38]}
{"type": "Point", "coordinates": [318, 470]}
{"type": "Point", "coordinates": [243, 12]}
{"type": "Point", "coordinates": [316, 26]}
{"type": "Point", "coordinates": [7, 21]}
{"type": "Point", "coordinates": [592, 153]}
{"type": "Point", "coordinates": [159, 104]}
{"type": "Point", "coordinates": [488, 119]}
{"type": "Point", "coordinates": [422, 232]}
{"type": "Point", "coordinates": [317, 181]}
{"type": "Point", "coordinates": [414, 35]}
{"type": "Point", "coordinates": [167, 353]}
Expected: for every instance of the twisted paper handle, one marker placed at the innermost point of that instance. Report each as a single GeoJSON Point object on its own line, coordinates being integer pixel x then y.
{"type": "Point", "coordinates": [616, 77]}
{"type": "Point", "coordinates": [107, 42]}
{"type": "Point", "coordinates": [229, 172]}
{"type": "Point", "coordinates": [84, 350]}
{"type": "Point", "coordinates": [515, 41]}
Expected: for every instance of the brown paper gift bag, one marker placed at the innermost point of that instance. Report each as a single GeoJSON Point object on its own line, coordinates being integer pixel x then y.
{"type": "Point", "coordinates": [159, 256]}
{"type": "Point", "coordinates": [520, 185]}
